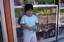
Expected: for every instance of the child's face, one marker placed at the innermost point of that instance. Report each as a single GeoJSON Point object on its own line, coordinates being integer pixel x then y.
{"type": "Point", "coordinates": [29, 12]}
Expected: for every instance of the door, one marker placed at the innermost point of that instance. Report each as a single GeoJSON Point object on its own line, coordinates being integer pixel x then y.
{"type": "Point", "coordinates": [46, 14]}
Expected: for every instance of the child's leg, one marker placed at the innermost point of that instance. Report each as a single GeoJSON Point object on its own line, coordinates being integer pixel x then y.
{"type": "Point", "coordinates": [34, 38]}
{"type": "Point", "coordinates": [26, 38]}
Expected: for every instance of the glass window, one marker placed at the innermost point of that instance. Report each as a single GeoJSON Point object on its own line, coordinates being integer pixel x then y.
{"type": "Point", "coordinates": [46, 16]}
{"type": "Point", "coordinates": [47, 20]}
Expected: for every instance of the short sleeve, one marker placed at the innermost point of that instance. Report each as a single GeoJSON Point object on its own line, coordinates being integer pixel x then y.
{"type": "Point", "coordinates": [36, 19]}
{"type": "Point", "coordinates": [22, 20]}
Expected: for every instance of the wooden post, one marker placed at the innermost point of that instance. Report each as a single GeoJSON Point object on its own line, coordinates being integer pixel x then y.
{"type": "Point", "coordinates": [8, 20]}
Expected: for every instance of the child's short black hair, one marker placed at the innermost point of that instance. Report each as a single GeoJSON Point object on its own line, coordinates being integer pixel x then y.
{"type": "Point", "coordinates": [28, 7]}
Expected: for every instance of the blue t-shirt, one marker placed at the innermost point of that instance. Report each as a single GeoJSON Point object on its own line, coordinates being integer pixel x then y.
{"type": "Point", "coordinates": [29, 21]}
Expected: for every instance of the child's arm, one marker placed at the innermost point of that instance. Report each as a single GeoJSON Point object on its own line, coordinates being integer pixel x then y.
{"type": "Point", "coordinates": [26, 27]}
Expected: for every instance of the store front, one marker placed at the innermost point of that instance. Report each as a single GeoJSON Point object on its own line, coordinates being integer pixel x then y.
{"type": "Point", "coordinates": [48, 14]}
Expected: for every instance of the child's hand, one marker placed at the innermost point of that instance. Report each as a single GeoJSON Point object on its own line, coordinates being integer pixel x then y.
{"type": "Point", "coordinates": [29, 28]}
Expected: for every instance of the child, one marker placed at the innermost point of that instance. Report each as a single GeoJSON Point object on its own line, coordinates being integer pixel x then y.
{"type": "Point", "coordinates": [30, 24]}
